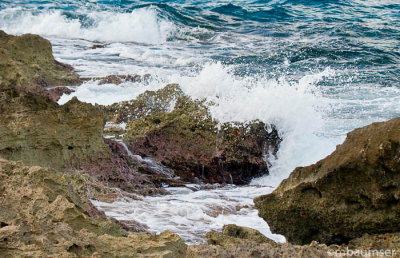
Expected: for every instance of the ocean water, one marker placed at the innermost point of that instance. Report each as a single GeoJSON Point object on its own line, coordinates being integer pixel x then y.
{"type": "Point", "coordinates": [316, 69]}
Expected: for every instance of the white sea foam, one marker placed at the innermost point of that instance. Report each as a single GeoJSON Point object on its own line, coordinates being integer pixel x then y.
{"type": "Point", "coordinates": [142, 25]}
{"type": "Point", "coordinates": [310, 121]}
{"type": "Point", "coordinates": [107, 94]}
{"type": "Point", "coordinates": [191, 214]}
{"type": "Point", "coordinates": [295, 108]}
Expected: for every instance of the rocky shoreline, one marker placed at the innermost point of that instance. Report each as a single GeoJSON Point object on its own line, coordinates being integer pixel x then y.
{"type": "Point", "coordinates": [54, 159]}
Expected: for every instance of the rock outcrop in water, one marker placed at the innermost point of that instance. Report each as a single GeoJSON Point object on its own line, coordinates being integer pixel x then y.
{"type": "Point", "coordinates": [38, 131]}
{"type": "Point", "coordinates": [353, 191]}
{"type": "Point", "coordinates": [27, 62]}
{"type": "Point", "coordinates": [45, 213]}
{"type": "Point", "coordinates": [146, 104]}
{"type": "Point", "coordinates": [180, 133]}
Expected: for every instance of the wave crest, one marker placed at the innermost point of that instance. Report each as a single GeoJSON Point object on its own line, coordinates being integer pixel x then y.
{"type": "Point", "coordinates": [143, 25]}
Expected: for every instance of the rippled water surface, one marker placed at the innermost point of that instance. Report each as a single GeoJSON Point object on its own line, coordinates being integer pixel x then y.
{"type": "Point", "coordinates": [316, 69]}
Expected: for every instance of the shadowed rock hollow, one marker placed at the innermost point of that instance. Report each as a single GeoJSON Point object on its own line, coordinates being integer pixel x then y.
{"type": "Point", "coordinates": [353, 191]}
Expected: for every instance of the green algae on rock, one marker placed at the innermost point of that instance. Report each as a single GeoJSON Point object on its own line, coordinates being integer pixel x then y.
{"type": "Point", "coordinates": [146, 104]}
{"type": "Point", "coordinates": [45, 213]}
{"type": "Point", "coordinates": [353, 191]}
{"type": "Point", "coordinates": [39, 132]}
{"type": "Point", "coordinates": [232, 235]}
{"type": "Point", "coordinates": [180, 133]}
{"type": "Point", "coordinates": [27, 62]}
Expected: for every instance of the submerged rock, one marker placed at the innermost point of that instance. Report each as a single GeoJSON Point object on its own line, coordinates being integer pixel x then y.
{"type": "Point", "coordinates": [45, 213]}
{"type": "Point", "coordinates": [27, 62]}
{"type": "Point", "coordinates": [180, 133]}
{"type": "Point", "coordinates": [353, 191]}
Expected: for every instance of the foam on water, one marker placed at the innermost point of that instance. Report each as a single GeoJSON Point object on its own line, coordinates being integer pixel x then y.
{"type": "Point", "coordinates": [295, 108]}
{"type": "Point", "coordinates": [142, 25]}
{"type": "Point", "coordinates": [193, 213]}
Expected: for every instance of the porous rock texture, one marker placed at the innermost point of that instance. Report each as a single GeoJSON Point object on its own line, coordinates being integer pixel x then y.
{"type": "Point", "coordinates": [235, 241]}
{"type": "Point", "coordinates": [38, 131]}
{"type": "Point", "coordinates": [180, 133]}
{"type": "Point", "coordinates": [27, 62]}
{"type": "Point", "coordinates": [45, 213]}
{"type": "Point", "coordinates": [146, 104]}
{"type": "Point", "coordinates": [353, 191]}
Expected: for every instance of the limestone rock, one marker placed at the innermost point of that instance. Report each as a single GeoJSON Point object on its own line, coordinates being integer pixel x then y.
{"type": "Point", "coordinates": [39, 132]}
{"type": "Point", "coordinates": [27, 62]}
{"type": "Point", "coordinates": [70, 137]}
{"type": "Point", "coordinates": [233, 235]}
{"type": "Point", "coordinates": [353, 191]}
{"type": "Point", "coordinates": [190, 142]}
{"type": "Point", "coordinates": [235, 241]}
{"type": "Point", "coordinates": [118, 79]}
{"type": "Point", "coordinates": [45, 213]}
{"type": "Point", "coordinates": [387, 242]}
{"type": "Point", "coordinates": [115, 168]}
{"type": "Point", "coordinates": [146, 104]}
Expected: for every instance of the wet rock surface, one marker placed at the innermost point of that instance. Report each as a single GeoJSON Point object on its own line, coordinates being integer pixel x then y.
{"type": "Point", "coordinates": [70, 137]}
{"type": "Point", "coordinates": [353, 191]}
{"type": "Point", "coordinates": [232, 234]}
{"type": "Point", "coordinates": [55, 93]}
{"type": "Point", "coordinates": [116, 168]}
{"type": "Point", "coordinates": [27, 62]}
{"type": "Point", "coordinates": [146, 104]}
{"type": "Point", "coordinates": [118, 79]}
{"type": "Point", "coordinates": [46, 213]}
{"type": "Point", "coordinates": [180, 133]}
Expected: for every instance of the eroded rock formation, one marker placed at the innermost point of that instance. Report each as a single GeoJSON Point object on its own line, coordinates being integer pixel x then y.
{"type": "Point", "coordinates": [27, 62]}
{"type": "Point", "coordinates": [353, 191]}
{"type": "Point", "coordinates": [46, 213]}
{"type": "Point", "coordinates": [235, 241]}
{"type": "Point", "coordinates": [37, 131]}
{"type": "Point", "coordinates": [180, 133]}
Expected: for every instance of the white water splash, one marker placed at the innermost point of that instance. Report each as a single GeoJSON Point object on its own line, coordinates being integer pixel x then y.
{"type": "Point", "coordinates": [191, 214]}
{"type": "Point", "coordinates": [141, 25]}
